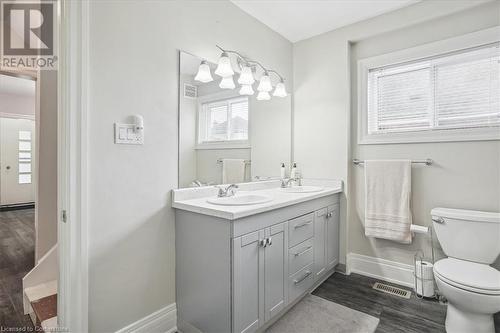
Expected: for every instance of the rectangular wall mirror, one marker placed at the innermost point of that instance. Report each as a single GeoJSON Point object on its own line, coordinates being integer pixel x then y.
{"type": "Point", "coordinates": [226, 137]}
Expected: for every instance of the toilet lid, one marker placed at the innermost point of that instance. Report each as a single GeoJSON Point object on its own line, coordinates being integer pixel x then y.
{"type": "Point", "coordinates": [469, 274]}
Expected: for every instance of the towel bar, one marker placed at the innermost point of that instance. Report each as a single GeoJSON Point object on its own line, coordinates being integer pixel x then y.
{"type": "Point", "coordinates": [426, 161]}
{"type": "Point", "coordinates": [219, 160]}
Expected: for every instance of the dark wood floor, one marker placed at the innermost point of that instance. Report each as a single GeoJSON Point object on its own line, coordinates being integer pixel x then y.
{"type": "Point", "coordinates": [17, 257]}
{"type": "Point", "coordinates": [396, 314]}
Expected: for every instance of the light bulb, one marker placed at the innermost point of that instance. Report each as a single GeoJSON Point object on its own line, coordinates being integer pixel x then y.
{"type": "Point", "coordinates": [246, 76]}
{"type": "Point", "coordinates": [227, 83]}
{"type": "Point", "coordinates": [265, 83]}
{"type": "Point", "coordinates": [224, 68]}
{"type": "Point", "coordinates": [204, 74]}
{"type": "Point", "coordinates": [280, 90]}
{"type": "Point", "coordinates": [247, 90]}
{"type": "Point", "coordinates": [263, 96]}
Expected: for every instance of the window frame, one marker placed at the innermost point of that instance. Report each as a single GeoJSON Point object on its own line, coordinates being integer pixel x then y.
{"type": "Point", "coordinates": [471, 40]}
{"type": "Point", "coordinates": [220, 144]}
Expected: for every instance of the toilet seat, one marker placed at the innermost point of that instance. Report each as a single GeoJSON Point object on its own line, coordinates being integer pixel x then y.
{"type": "Point", "coordinates": [467, 275]}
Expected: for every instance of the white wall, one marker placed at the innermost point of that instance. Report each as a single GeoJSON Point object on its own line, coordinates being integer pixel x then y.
{"type": "Point", "coordinates": [464, 175]}
{"type": "Point", "coordinates": [187, 125]}
{"type": "Point", "coordinates": [15, 104]}
{"type": "Point", "coordinates": [133, 69]}
{"type": "Point", "coordinates": [322, 94]}
{"type": "Point", "coordinates": [46, 196]}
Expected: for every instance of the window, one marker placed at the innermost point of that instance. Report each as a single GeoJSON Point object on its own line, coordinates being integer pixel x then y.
{"type": "Point", "coordinates": [454, 96]}
{"type": "Point", "coordinates": [224, 121]}
{"type": "Point", "coordinates": [24, 158]}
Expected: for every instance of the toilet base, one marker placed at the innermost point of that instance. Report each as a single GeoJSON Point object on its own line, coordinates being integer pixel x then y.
{"type": "Point", "coordinates": [458, 321]}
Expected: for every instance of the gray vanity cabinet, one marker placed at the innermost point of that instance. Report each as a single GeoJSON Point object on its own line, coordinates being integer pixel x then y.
{"type": "Point", "coordinates": [259, 276]}
{"type": "Point", "coordinates": [240, 275]}
{"type": "Point", "coordinates": [332, 236]}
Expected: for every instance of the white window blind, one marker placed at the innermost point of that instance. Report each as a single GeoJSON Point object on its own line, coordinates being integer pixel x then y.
{"type": "Point", "coordinates": [452, 91]}
{"type": "Point", "coordinates": [225, 120]}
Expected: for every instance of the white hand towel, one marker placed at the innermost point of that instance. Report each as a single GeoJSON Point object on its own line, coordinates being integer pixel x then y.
{"type": "Point", "coordinates": [233, 171]}
{"type": "Point", "coordinates": [387, 200]}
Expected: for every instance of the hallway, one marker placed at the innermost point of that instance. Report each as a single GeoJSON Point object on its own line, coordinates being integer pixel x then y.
{"type": "Point", "coordinates": [17, 244]}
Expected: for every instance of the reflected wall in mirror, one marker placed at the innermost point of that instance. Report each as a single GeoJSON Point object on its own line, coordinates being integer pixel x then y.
{"type": "Point", "coordinates": [225, 137]}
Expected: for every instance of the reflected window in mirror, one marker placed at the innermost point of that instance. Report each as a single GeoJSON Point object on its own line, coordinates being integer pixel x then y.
{"type": "Point", "coordinates": [223, 121]}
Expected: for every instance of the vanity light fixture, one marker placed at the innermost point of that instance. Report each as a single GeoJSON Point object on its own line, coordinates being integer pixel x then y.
{"type": "Point", "coordinates": [265, 83]}
{"type": "Point", "coordinates": [224, 68]}
{"type": "Point", "coordinates": [204, 74]}
{"type": "Point", "coordinates": [227, 83]}
{"type": "Point", "coordinates": [246, 89]}
{"type": "Point", "coordinates": [246, 75]}
{"type": "Point", "coordinates": [263, 96]}
{"type": "Point", "coordinates": [246, 78]}
{"type": "Point", "coordinates": [280, 90]}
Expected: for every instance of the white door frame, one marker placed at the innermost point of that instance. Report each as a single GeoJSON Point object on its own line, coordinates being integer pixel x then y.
{"type": "Point", "coordinates": [72, 165]}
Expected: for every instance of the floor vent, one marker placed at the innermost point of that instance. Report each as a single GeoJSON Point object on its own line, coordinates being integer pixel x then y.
{"type": "Point", "coordinates": [392, 290]}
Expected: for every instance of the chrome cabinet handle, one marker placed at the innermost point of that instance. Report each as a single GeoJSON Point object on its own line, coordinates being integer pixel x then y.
{"type": "Point", "coordinates": [303, 251]}
{"type": "Point", "coordinates": [302, 225]}
{"type": "Point", "coordinates": [270, 241]}
{"type": "Point", "coordinates": [302, 278]}
{"type": "Point", "coordinates": [438, 219]}
{"type": "Point", "coordinates": [263, 242]}
{"type": "Point", "coordinates": [328, 215]}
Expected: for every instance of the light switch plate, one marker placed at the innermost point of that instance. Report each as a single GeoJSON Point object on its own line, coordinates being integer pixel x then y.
{"type": "Point", "coordinates": [125, 135]}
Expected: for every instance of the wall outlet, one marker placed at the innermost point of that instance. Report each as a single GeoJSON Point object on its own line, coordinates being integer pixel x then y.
{"type": "Point", "coordinates": [126, 134]}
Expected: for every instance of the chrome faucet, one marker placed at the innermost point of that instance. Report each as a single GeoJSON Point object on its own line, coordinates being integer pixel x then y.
{"type": "Point", "coordinates": [287, 182]}
{"type": "Point", "coordinates": [226, 192]}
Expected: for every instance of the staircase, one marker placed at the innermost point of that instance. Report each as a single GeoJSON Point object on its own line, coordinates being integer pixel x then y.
{"type": "Point", "coordinates": [40, 291]}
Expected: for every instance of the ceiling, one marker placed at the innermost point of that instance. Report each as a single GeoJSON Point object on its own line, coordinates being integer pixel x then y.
{"type": "Point", "coordinates": [21, 87]}
{"type": "Point", "coordinates": [301, 19]}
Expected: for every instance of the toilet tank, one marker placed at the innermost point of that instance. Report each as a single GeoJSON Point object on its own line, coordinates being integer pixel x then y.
{"type": "Point", "coordinates": [468, 234]}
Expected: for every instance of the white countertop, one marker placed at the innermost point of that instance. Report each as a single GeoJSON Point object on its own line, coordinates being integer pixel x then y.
{"type": "Point", "coordinates": [195, 199]}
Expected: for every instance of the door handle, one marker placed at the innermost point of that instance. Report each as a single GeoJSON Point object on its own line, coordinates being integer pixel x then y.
{"type": "Point", "coordinates": [270, 241]}
{"type": "Point", "coordinates": [263, 242]}
{"type": "Point", "coordinates": [7, 167]}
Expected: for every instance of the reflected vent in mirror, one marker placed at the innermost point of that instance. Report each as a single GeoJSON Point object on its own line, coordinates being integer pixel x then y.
{"type": "Point", "coordinates": [190, 91]}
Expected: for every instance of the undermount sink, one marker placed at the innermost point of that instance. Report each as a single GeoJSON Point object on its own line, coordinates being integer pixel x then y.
{"type": "Point", "coordinates": [301, 189]}
{"type": "Point", "coordinates": [241, 200]}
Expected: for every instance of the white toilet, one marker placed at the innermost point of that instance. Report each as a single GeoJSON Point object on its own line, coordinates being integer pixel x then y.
{"type": "Point", "coordinates": [471, 240]}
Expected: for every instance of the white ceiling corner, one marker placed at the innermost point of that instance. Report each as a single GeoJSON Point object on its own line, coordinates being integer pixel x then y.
{"type": "Point", "coordinates": [301, 19]}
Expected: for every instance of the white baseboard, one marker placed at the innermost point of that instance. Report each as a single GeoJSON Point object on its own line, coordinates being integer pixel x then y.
{"type": "Point", "coordinates": [161, 321]}
{"type": "Point", "coordinates": [382, 269]}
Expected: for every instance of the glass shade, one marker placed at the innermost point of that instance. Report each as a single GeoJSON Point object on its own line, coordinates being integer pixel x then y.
{"type": "Point", "coordinates": [246, 90]}
{"type": "Point", "coordinates": [265, 83]}
{"type": "Point", "coordinates": [204, 74]}
{"type": "Point", "coordinates": [246, 76]}
{"type": "Point", "coordinates": [263, 96]}
{"type": "Point", "coordinates": [280, 90]}
{"type": "Point", "coordinates": [227, 83]}
{"type": "Point", "coordinates": [224, 68]}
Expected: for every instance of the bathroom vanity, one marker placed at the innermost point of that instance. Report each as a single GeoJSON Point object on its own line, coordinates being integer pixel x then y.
{"type": "Point", "coordinates": [241, 266]}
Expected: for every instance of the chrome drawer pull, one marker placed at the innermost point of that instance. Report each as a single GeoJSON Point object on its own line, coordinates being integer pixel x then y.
{"type": "Point", "coordinates": [302, 225]}
{"type": "Point", "coordinates": [302, 278]}
{"type": "Point", "coordinates": [304, 251]}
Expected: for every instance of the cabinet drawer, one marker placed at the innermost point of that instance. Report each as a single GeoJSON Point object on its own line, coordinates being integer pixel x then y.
{"type": "Point", "coordinates": [300, 229]}
{"type": "Point", "coordinates": [300, 256]}
{"type": "Point", "coordinates": [300, 282]}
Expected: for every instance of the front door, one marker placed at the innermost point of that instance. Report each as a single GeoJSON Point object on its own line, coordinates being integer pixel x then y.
{"type": "Point", "coordinates": [17, 146]}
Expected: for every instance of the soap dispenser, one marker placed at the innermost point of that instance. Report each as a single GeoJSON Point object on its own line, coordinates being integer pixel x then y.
{"type": "Point", "coordinates": [282, 171]}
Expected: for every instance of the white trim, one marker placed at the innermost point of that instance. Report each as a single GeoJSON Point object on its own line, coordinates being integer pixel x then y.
{"type": "Point", "coordinates": [470, 40]}
{"type": "Point", "coordinates": [163, 320]}
{"type": "Point", "coordinates": [72, 167]}
{"type": "Point", "coordinates": [382, 269]}
{"type": "Point", "coordinates": [17, 116]}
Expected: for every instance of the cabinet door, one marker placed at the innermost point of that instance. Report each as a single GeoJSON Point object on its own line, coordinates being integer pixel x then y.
{"type": "Point", "coordinates": [332, 236]}
{"type": "Point", "coordinates": [276, 269]}
{"type": "Point", "coordinates": [319, 241]}
{"type": "Point", "coordinates": [248, 286]}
